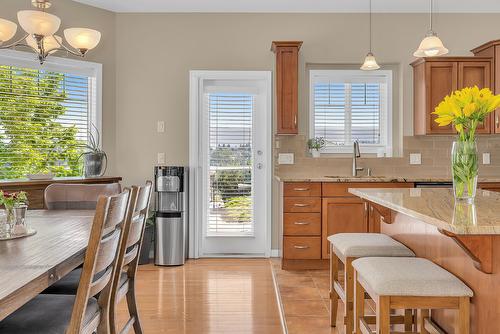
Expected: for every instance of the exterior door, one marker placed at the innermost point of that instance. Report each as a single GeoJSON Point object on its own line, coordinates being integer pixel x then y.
{"type": "Point", "coordinates": [233, 163]}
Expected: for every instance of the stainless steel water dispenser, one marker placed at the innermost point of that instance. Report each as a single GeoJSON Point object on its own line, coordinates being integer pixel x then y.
{"type": "Point", "coordinates": [171, 185]}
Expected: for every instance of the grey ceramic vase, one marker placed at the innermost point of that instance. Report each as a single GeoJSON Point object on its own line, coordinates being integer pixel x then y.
{"type": "Point", "coordinates": [94, 164]}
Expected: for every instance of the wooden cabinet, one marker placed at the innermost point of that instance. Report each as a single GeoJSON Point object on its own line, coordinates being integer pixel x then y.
{"type": "Point", "coordinates": [492, 51]}
{"type": "Point", "coordinates": [287, 86]}
{"type": "Point", "coordinates": [434, 78]}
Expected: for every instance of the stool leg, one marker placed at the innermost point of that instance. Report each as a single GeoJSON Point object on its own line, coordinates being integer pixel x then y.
{"type": "Point", "coordinates": [334, 276]}
{"type": "Point", "coordinates": [359, 305]}
{"type": "Point", "coordinates": [349, 295]}
{"type": "Point", "coordinates": [424, 314]}
{"type": "Point", "coordinates": [464, 315]}
{"type": "Point", "coordinates": [383, 316]}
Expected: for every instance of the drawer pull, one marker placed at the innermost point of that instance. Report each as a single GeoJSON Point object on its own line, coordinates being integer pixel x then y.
{"type": "Point", "coordinates": [300, 247]}
{"type": "Point", "coordinates": [301, 189]}
{"type": "Point", "coordinates": [301, 223]}
{"type": "Point", "coordinates": [301, 205]}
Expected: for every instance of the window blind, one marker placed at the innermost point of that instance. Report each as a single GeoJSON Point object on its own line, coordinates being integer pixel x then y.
{"type": "Point", "coordinates": [230, 207]}
{"type": "Point", "coordinates": [44, 121]}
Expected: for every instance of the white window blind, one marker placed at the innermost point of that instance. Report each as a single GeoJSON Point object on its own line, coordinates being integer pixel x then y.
{"type": "Point", "coordinates": [230, 207]}
{"type": "Point", "coordinates": [348, 106]}
{"type": "Point", "coordinates": [44, 121]}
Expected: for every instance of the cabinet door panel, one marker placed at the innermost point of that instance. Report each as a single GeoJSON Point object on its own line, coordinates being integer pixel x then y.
{"type": "Point", "coordinates": [302, 204]}
{"type": "Point", "coordinates": [472, 74]}
{"type": "Point", "coordinates": [442, 80]}
{"type": "Point", "coordinates": [302, 224]}
{"type": "Point", "coordinates": [342, 215]}
{"type": "Point", "coordinates": [287, 89]}
{"type": "Point", "coordinates": [302, 248]}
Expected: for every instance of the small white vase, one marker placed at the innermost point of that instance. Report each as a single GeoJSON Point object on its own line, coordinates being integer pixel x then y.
{"type": "Point", "coordinates": [315, 153]}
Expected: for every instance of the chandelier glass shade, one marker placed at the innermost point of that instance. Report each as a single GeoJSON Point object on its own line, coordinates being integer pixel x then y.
{"type": "Point", "coordinates": [40, 33]}
{"type": "Point", "coordinates": [370, 63]}
{"type": "Point", "coordinates": [431, 45]}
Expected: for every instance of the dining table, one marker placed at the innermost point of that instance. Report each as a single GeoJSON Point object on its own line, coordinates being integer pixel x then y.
{"type": "Point", "coordinates": [30, 264]}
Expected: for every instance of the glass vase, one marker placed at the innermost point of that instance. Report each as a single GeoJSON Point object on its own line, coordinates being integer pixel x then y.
{"type": "Point", "coordinates": [464, 168]}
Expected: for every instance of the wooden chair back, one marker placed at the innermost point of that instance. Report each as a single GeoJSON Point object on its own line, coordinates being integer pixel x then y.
{"type": "Point", "coordinates": [128, 254]}
{"type": "Point", "coordinates": [73, 196]}
{"type": "Point", "coordinates": [100, 261]}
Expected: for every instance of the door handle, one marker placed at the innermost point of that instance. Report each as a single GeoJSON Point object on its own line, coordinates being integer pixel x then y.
{"type": "Point", "coordinates": [300, 247]}
{"type": "Point", "coordinates": [300, 205]}
{"type": "Point", "coordinates": [260, 166]}
{"type": "Point", "coordinates": [301, 189]}
{"type": "Point", "coordinates": [301, 223]}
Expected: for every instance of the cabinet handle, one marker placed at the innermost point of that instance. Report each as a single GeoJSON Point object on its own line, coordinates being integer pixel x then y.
{"type": "Point", "coordinates": [366, 206]}
{"type": "Point", "coordinates": [295, 120]}
{"type": "Point", "coordinates": [300, 205]}
{"type": "Point", "coordinates": [497, 121]}
{"type": "Point", "coordinates": [301, 223]}
{"type": "Point", "coordinates": [301, 189]}
{"type": "Point", "coordinates": [300, 247]}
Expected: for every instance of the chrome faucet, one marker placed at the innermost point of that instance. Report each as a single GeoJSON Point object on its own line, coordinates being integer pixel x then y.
{"type": "Point", "coordinates": [356, 154]}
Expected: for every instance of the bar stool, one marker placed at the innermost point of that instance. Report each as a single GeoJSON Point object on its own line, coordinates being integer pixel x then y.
{"type": "Point", "coordinates": [347, 247]}
{"type": "Point", "coordinates": [408, 283]}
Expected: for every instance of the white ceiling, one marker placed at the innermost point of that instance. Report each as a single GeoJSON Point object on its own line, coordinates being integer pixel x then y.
{"type": "Point", "coordinates": [291, 6]}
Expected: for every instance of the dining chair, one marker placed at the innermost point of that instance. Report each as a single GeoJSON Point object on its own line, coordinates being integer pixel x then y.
{"type": "Point", "coordinates": [128, 259]}
{"type": "Point", "coordinates": [72, 196]}
{"type": "Point", "coordinates": [83, 312]}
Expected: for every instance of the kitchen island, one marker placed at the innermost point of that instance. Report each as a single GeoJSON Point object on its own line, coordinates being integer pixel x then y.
{"type": "Point", "coordinates": [462, 238]}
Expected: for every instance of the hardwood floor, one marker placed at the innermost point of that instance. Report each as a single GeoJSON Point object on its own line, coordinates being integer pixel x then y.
{"type": "Point", "coordinates": [208, 296]}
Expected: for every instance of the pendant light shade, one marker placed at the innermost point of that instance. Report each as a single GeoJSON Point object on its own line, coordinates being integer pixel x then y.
{"type": "Point", "coordinates": [36, 22]}
{"type": "Point", "coordinates": [370, 63]}
{"type": "Point", "coordinates": [7, 30]}
{"type": "Point", "coordinates": [431, 45]}
{"type": "Point", "coordinates": [82, 39]}
{"type": "Point", "coordinates": [50, 43]}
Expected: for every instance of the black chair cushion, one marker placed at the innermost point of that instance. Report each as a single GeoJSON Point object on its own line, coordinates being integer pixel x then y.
{"type": "Point", "coordinates": [47, 314]}
{"type": "Point", "coordinates": [68, 285]}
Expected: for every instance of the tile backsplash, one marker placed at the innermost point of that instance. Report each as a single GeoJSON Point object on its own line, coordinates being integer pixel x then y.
{"type": "Point", "coordinates": [435, 155]}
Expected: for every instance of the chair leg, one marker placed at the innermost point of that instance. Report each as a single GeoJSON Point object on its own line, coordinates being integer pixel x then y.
{"type": "Point", "coordinates": [383, 316]}
{"type": "Point", "coordinates": [349, 295]}
{"type": "Point", "coordinates": [132, 306]}
{"type": "Point", "coordinates": [464, 315]}
{"type": "Point", "coordinates": [424, 314]}
{"type": "Point", "coordinates": [334, 298]}
{"type": "Point", "coordinates": [408, 320]}
{"type": "Point", "coordinates": [359, 306]}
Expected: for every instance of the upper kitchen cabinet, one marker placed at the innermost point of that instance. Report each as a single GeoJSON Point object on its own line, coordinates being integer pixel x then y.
{"type": "Point", "coordinates": [287, 86]}
{"type": "Point", "coordinates": [492, 50]}
{"type": "Point", "coordinates": [434, 78]}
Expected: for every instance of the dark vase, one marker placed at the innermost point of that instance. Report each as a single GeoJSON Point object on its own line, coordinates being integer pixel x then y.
{"type": "Point", "coordinates": [147, 240]}
{"type": "Point", "coordinates": [95, 164]}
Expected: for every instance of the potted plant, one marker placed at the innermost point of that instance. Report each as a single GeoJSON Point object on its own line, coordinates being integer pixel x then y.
{"type": "Point", "coordinates": [95, 160]}
{"type": "Point", "coordinates": [315, 144]}
{"type": "Point", "coordinates": [10, 201]}
{"type": "Point", "coordinates": [147, 240]}
{"type": "Point", "coordinates": [465, 109]}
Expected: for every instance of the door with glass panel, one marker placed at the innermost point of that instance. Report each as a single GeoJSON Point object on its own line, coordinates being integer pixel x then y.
{"type": "Point", "coordinates": [234, 145]}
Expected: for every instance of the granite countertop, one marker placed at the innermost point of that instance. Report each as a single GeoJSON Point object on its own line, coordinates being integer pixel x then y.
{"type": "Point", "coordinates": [339, 178]}
{"type": "Point", "coordinates": [437, 206]}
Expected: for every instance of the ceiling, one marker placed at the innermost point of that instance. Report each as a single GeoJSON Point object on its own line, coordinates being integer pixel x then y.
{"type": "Point", "coordinates": [291, 6]}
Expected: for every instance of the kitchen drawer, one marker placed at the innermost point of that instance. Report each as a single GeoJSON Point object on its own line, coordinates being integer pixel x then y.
{"type": "Point", "coordinates": [302, 189]}
{"type": "Point", "coordinates": [302, 248]}
{"type": "Point", "coordinates": [302, 224]}
{"type": "Point", "coordinates": [341, 189]}
{"type": "Point", "coordinates": [302, 204]}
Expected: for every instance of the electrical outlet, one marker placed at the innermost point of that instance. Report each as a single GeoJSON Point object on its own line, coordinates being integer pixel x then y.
{"type": "Point", "coordinates": [286, 159]}
{"type": "Point", "coordinates": [415, 159]}
{"type": "Point", "coordinates": [161, 158]}
{"type": "Point", "coordinates": [160, 126]}
{"type": "Point", "coordinates": [486, 158]}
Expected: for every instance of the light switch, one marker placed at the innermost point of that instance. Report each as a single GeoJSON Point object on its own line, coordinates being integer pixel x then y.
{"type": "Point", "coordinates": [415, 159]}
{"type": "Point", "coordinates": [286, 159]}
{"type": "Point", "coordinates": [160, 126]}
{"type": "Point", "coordinates": [486, 158]}
{"type": "Point", "coordinates": [161, 158]}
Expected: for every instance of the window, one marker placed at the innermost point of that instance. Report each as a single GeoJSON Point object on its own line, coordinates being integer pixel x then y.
{"type": "Point", "coordinates": [346, 106]}
{"type": "Point", "coordinates": [46, 114]}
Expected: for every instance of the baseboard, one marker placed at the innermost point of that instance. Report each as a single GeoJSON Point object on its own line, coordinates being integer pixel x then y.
{"type": "Point", "coordinates": [275, 252]}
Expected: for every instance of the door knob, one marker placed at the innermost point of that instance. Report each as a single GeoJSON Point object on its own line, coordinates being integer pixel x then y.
{"type": "Point", "coordinates": [259, 152]}
{"type": "Point", "coordinates": [260, 166]}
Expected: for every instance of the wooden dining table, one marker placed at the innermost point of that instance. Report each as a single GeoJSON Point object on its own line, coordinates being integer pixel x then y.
{"type": "Point", "coordinates": [31, 264]}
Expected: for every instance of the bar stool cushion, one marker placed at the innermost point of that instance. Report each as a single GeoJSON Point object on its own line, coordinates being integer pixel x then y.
{"type": "Point", "coordinates": [68, 285]}
{"type": "Point", "coordinates": [47, 314]}
{"type": "Point", "coordinates": [367, 244]}
{"type": "Point", "coordinates": [410, 276]}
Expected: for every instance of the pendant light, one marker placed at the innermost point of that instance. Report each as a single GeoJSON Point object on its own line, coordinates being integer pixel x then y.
{"type": "Point", "coordinates": [370, 62]}
{"type": "Point", "coordinates": [431, 45]}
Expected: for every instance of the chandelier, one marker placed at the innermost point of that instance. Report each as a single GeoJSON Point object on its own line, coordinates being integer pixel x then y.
{"type": "Point", "coordinates": [40, 33]}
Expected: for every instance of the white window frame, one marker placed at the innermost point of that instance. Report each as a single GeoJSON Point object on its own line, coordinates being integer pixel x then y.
{"type": "Point", "coordinates": [64, 65]}
{"type": "Point", "coordinates": [385, 148]}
